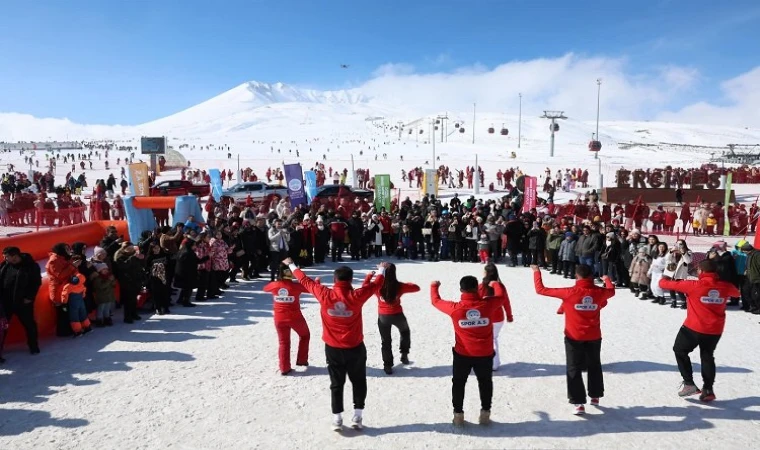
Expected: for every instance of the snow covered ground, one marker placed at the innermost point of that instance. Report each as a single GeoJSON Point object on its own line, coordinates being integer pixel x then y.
{"type": "Point", "coordinates": [207, 378]}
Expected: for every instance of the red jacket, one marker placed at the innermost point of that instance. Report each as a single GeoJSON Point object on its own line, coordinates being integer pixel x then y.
{"type": "Point", "coordinates": [385, 308]}
{"type": "Point", "coordinates": [338, 230]}
{"type": "Point", "coordinates": [499, 313]}
{"type": "Point", "coordinates": [473, 317]}
{"type": "Point", "coordinates": [286, 295]}
{"type": "Point", "coordinates": [706, 299]}
{"type": "Point", "coordinates": [582, 305]}
{"type": "Point", "coordinates": [341, 309]}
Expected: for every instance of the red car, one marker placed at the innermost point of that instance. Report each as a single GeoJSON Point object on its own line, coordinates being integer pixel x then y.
{"type": "Point", "coordinates": [179, 187]}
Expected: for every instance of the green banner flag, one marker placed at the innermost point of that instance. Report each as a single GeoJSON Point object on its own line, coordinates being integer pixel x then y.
{"type": "Point", "coordinates": [383, 192]}
{"type": "Point", "coordinates": [726, 222]}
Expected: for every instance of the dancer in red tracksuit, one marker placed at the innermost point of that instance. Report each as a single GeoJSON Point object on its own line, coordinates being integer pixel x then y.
{"type": "Point", "coordinates": [582, 305]}
{"type": "Point", "coordinates": [491, 273]}
{"type": "Point", "coordinates": [390, 314]}
{"type": "Point", "coordinates": [473, 335]}
{"type": "Point", "coordinates": [343, 333]}
{"type": "Point", "coordinates": [705, 319]}
{"type": "Point", "coordinates": [287, 317]}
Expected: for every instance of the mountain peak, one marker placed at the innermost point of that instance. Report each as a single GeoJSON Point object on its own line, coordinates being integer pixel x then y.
{"type": "Point", "coordinates": [262, 94]}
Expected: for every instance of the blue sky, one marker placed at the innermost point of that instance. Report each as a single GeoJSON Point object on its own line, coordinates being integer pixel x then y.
{"type": "Point", "coordinates": [128, 62]}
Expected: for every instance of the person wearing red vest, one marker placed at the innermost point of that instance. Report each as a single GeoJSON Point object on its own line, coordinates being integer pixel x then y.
{"type": "Point", "coordinates": [343, 334]}
{"type": "Point", "coordinates": [705, 319]}
{"type": "Point", "coordinates": [491, 273]}
{"type": "Point", "coordinates": [287, 317]}
{"type": "Point", "coordinates": [582, 305]}
{"type": "Point", "coordinates": [390, 314]}
{"type": "Point", "coordinates": [473, 318]}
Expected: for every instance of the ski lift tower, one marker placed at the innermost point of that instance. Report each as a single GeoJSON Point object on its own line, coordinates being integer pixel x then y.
{"type": "Point", "coordinates": [440, 121]}
{"type": "Point", "coordinates": [554, 127]}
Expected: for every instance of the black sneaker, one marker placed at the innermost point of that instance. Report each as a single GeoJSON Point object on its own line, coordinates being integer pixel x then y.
{"type": "Point", "coordinates": [404, 358]}
{"type": "Point", "coordinates": [707, 395]}
{"type": "Point", "coordinates": [388, 370]}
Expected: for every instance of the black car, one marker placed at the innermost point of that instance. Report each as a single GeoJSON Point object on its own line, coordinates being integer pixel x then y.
{"type": "Point", "coordinates": [343, 190]}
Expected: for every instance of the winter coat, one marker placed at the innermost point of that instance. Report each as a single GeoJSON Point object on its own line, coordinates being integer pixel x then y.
{"type": "Point", "coordinates": [494, 231]}
{"type": "Point", "coordinates": [515, 232]}
{"type": "Point", "coordinates": [376, 229]}
{"type": "Point", "coordinates": [219, 253]}
{"type": "Point", "coordinates": [21, 282]}
{"type": "Point", "coordinates": [186, 269]}
{"type": "Point", "coordinates": [682, 265]}
{"type": "Point", "coordinates": [129, 271]}
{"type": "Point", "coordinates": [536, 239]}
{"type": "Point", "coordinates": [567, 250]}
{"type": "Point", "coordinates": [586, 246]}
{"type": "Point", "coordinates": [59, 272]}
{"type": "Point", "coordinates": [103, 289]}
{"type": "Point", "coordinates": [554, 241]}
{"type": "Point", "coordinates": [611, 251]}
{"type": "Point", "coordinates": [706, 300]}
{"type": "Point", "coordinates": [274, 236]}
{"type": "Point", "coordinates": [639, 269]}
{"type": "Point", "coordinates": [203, 249]}
{"type": "Point", "coordinates": [727, 268]}
{"type": "Point", "coordinates": [73, 291]}
{"type": "Point", "coordinates": [655, 272]}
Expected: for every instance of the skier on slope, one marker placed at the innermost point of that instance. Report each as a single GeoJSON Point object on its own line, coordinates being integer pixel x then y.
{"type": "Point", "coordinates": [472, 317]}
{"type": "Point", "coordinates": [705, 319]}
{"type": "Point", "coordinates": [582, 305]}
{"type": "Point", "coordinates": [343, 334]}
{"type": "Point", "coordinates": [287, 317]}
{"type": "Point", "coordinates": [390, 314]}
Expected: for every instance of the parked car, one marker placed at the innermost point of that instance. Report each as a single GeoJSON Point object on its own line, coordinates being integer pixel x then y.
{"type": "Point", "coordinates": [179, 187]}
{"type": "Point", "coordinates": [343, 190]}
{"type": "Point", "coordinates": [258, 190]}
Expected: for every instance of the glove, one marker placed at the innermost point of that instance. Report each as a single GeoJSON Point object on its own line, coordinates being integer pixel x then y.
{"type": "Point", "coordinates": [510, 319]}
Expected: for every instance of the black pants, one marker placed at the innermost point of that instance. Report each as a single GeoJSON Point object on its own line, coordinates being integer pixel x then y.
{"type": "Point", "coordinates": [384, 324]}
{"type": "Point", "coordinates": [537, 256]}
{"type": "Point", "coordinates": [390, 248]}
{"type": "Point", "coordinates": [494, 249]}
{"type": "Point", "coordinates": [159, 293]}
{"type": "Point", "coordinates": [483, 367]}
{"type": "Point", "coordinates": [356, 248]}
{"type": "Point", "coordinates": [580, 355]}
{"type": "Point", "coordinates": [686, 341]}
{"type": "Point", "coordinates": [203, 285]}
{"type": "Point", "coordinates": [472, 250]}
{"type": "Point", "coordinates": [62, 322]}
{"type": "Point", "coordinates": [455, 249]}
{"type": "Point", "coordinates": [25, 313]}
{"type": "Point", "coordinates": [556, 263]}
{"type": "Point", "coordinates": [568, 269]}
{"type": "Point", "coordinates": [337, 249]}
{"type": "Point", "coordinates": [351, 362]}
{"type": "Point", "coordinates": [275, 259]}
{"type": "Point", "coordinates": [129, 300]}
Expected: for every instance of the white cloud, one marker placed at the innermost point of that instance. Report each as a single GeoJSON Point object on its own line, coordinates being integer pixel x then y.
{"type": "Point", "coordinates": [566, 83]}
{"type": "Point", "coordinates": [740, 104]}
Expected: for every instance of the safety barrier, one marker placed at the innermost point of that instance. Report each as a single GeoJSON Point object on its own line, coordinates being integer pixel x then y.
{"type": "Point", "coordinates": [38, 245]}
{"type": "Point", "coordinates": [48, 218]}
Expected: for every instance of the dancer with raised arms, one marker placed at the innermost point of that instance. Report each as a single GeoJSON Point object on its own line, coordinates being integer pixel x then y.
{"type": "Point", "coordinates": [287, 317]}
{"type": "Point", "coordinates": [343, 334]}
{"type": "Point", "coordinates": [390, 314]}
{"type": "Point", "coordinates": [582, 305]}
{"type": "Point", "coordinates": [472, 317]}
{"type": "Point", "coordinates": [491, 274]}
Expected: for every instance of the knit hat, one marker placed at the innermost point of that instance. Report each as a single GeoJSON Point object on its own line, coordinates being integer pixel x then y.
{"type": "Point", "coordinates": [99, 250]}
{"type": "Point", "coordinates": [568, 235]}
{"type": "Point", "coordinates": [610, 235]}
{"type": "Point", "coordinates": [74, 280]}
{"type": "Point", "coordinates": [720, 244]}
{"type": "Point", "coordinates": [642, 250]}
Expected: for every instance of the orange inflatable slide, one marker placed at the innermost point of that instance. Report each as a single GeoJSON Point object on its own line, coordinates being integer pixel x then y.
{"type": "Point", "coordinates": [39, 245]}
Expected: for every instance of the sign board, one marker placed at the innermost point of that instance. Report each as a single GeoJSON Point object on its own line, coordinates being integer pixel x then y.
{"type": "Point", "coordinates": [383, 192]}
{"type": "Point", "coordinates": [138, 180]}
{"type": "Point", "coordinates": [153, 145]}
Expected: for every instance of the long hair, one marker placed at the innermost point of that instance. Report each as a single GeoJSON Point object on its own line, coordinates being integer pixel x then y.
{"type": "Point", "coordinates": [390, 288]}
{"type": "Point", "coordinates": [492, 274]}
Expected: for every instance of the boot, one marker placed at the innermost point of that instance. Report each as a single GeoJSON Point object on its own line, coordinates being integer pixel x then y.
{"type": "Point", "coordinates": [662, 300]}
{"type": "Point", "coordinates": [674, 303]}
{"type": "Point", "coordinates": [458, 419]}
{"type": "Point", "coordinates": [485, 417]}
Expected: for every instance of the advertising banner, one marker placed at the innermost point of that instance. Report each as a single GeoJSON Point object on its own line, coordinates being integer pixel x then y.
{"type": "Point", "coordinates": [530, 194]}
{"type": "Point", "coordinates": [383, 192]}
{"type": "Point", "coordinates": [430, 182]}
{"type": "Point", "coordinates": [294, 179]}
{"type": "Point", "coordinates": [727, 201]}
{"type": "Point", "coordinates": [310, 182]}
{"type": "Point", "coordinates": [139, 184]}
{"type": "Point", "coordinates": [216, 183]}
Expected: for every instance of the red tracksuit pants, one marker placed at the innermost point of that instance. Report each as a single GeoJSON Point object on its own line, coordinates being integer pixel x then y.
{"type": "Point", "coordinates": [284, 327]}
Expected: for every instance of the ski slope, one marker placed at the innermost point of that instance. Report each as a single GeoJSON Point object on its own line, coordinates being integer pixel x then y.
{"type": "Point", "coordinates": [207, 377]}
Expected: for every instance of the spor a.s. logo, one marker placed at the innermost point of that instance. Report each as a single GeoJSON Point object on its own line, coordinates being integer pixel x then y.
{"type": "Point", "coordinates": [283, 296]}
{"type": "Point", "coordinates": [339, 310]}
{"type": "Point", "coordinates": [713, 298]}
{"type": "Point", "coordinates": [586, 304]}
{"type": "Point", "coordinates": [474, 320]}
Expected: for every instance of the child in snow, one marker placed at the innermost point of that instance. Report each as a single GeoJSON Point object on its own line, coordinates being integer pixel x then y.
{"type": "Point", "coordinates": [639, 272]}
{"type": "Point", "coordinates": [655, 272]}
{"type": "Point", "coordinates": [567, 255]}
{"type": "Point", "coordinates": [73, 299]}
{"type": "Point", "coordinates": [103, 283]}
{"type": "Point", "coordinates": [711, 223]}
{"type": "Point", "coordinates": [483, 248]}
{"type": "Point", "coordinates": [695, 226]}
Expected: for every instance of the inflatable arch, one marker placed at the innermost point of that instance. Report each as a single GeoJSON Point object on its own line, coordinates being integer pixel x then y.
{"type": "Point", "coordinates": [140, 215]}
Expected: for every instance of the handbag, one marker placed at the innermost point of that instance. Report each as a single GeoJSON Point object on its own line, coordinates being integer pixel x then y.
{"type": "Point", "coordinates": [671, 267]}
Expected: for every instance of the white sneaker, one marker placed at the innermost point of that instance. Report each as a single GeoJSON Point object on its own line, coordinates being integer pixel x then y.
{"type": "Point", "coordinates": [356, 423]}
{"type": "Point", "coordinates": [337, 423]}
{"type": "Point", "coordinates": [579, 410]}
